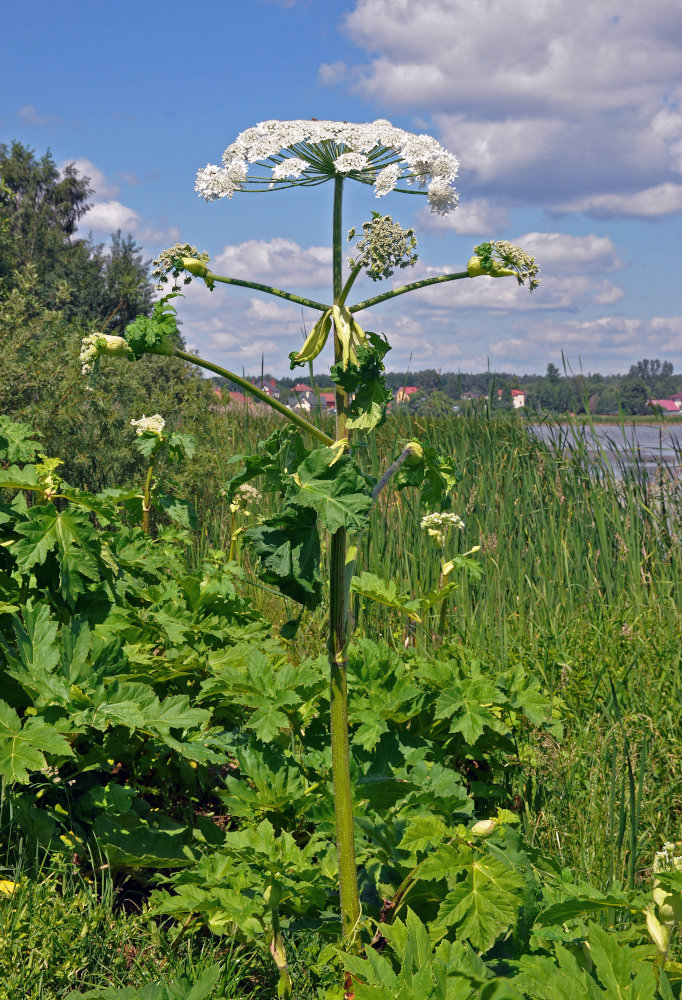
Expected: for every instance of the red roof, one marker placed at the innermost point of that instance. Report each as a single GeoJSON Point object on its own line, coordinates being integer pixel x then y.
{"type": "Point", "coordinates": [302, 387]}
{"type": "Point", "coordinates": [667, 405]}
{"type": "Point", "coordinates": [518, 392]}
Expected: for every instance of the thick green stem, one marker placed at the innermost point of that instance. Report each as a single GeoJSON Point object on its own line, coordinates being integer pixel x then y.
{"type": "Point", "coordinates": [424, 283]}
{"type": "Point", "coordinates": [338, 661]}
{"type": "Point", "coordinates": [253, 390]}
{"type": "Point", "coordinates": [147, 498]}
{"type": "Point", "coordinates": [270, 289]}
{"type": "Point", "coordinates": [349, 284]}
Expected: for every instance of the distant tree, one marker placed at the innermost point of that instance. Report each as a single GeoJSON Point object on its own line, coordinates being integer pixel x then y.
{"type": "Point", "coordinates": [553, 373]}
{"type": "Point", "coordinates": [608, 400]}
{"type": "Point", "coordinates": [651, 370]}
{"type": "Point", "coordinates": [119, 288]}
{"type": "Point", "coordinates": [40, 208]}
{"type": "Point", "coordinates": [633, 395]}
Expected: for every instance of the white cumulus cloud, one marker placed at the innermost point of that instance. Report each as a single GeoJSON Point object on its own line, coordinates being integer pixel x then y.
{"type": "Point", "coordinates": [108, 216]}
{"type": "Point", "coordinates": [546, 103]}
{"type": "Point", "coordinates": [278, 261]}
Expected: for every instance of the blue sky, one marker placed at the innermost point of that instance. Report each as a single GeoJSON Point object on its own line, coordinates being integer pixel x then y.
{"type": "Point", "coordinates": [565, 115]}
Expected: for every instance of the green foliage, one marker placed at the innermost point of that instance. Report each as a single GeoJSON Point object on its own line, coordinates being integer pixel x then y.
{"type": "Point", "coordinates": [364, 381]}
{"type": "Point", "coordinates": [633, 395]}
{"type": "Point", "coordinates": [452, 971]}
{"type": "Point", "coordinates": [17, 441]}
{"type": "Point", "coordinates": [181, 989]}
{"type": "Point", "coordinates": [332, 485]}
{"type": "Point", "coordinates": [288, 546]}
{"type": "Point", "coordinates": [155, 334]}
{"type": "Point", "coordinates": [22, 748]}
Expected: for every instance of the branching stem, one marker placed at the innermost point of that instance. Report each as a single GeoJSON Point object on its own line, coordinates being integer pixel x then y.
{"type": "Point", "coordinates": [424, 283]}
{"type": "Point", "coordinates": [271, 290]}
{"type": "Point", "coordinates": [263, 397]}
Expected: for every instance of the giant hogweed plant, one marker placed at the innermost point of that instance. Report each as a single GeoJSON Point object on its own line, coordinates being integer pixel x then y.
{"type": "Point", "coordinates": [324, 486]}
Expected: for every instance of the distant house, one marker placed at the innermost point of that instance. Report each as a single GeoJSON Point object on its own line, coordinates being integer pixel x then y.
{"type": "Point", "coordinates": [328, 400]}
{"type": "Point", "coordinates": [472, 394]}
{"type": "Point", "coordinates": [404, 392]}
{"type": "Point", "coordinates": [666, 405]}
{"type": "Point", "coordinates": [268, 386]}
{"type": "Point", "coordinates": [677, 398]}
{"type": "Point", "coordinates": [304, 392]}
{"type": "Point", "coordinates": [518, 397]}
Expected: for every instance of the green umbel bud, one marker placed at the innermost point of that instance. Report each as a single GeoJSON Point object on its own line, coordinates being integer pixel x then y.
{"type": "Point", "coordinates": [97, 345]}
{"type": "Point", "coordinates": [475, 268]}
{"type": "Point", "coordinates": [484, 828]}
{"type": "Point", "coordinates": [195, 267]}
{"type": "Point", "coordinates": [415, 453]}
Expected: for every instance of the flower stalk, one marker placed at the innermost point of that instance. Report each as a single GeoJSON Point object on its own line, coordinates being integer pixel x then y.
{"type": "Point", "coordinates": [338, 628]}
{"type": "Point", "coordinates": [423, 283]}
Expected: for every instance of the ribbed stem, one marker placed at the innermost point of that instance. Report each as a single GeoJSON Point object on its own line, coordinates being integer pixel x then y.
{"type": "Point", "coordinates": [424, 283]}
{"type": "Point", "coordinates": [147, 498]}
{"type": "Point", "coordinates": [270, 289]}
{"type": "Point", "coordinates": [253, 390]}
{"type": "Point", "coordinates": [338, 661]}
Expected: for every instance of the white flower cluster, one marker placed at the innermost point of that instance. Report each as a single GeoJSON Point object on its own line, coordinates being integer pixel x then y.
{"type": "Point", "coordinates": [667, 860]}
{"type": "Point", "coordinates": [518, 259]}
{"type": "Point", "coordinates": [169, 262]}
{"type": "Point", "coordinates": [149, 425]}
{"type": "Point", "coordinates": [385, 246]}
{"type": "Point", "coordinates": [375, 153]}
{"type": "Point", "coordinates": [437, 524]}
{"type": "Point", "coordinates": [500, 258]}
{"type": "Point", "coordinates": [244, 496]}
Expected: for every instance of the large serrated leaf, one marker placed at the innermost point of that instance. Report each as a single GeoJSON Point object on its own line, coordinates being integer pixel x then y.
{"type": "Point", "coordinates": [334, 487]}
{"type": "Point", "coordinates": [485, 904]}
{"type": "Point", "coordinates": [22, 748]}
{"type": "Point", "coordinates": [70, 535]}
{"type": "Point", "coordinates": [17, 441]}
{"type": "Point", "coordinates": [288, 545]}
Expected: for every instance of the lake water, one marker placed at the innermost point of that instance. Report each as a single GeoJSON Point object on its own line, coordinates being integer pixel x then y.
{"type": "Point", "coordinates": [653, 446]}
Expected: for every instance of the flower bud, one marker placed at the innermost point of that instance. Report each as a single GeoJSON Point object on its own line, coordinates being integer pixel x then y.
{"type": "Point", "coordinates": [96, 345]}
{"type": "Point", "coordinates": [475, 269]}
{"type": "Point", "coordinates": [484, 828]}
{"type": "Point", "coordinates": [415, 453]}
{"type": "Point", "coordinates": [669, 905]}
{"type": "Point", "coordinates": [658, 932]}
{"type": "Point", "coordinates": [195, 267]}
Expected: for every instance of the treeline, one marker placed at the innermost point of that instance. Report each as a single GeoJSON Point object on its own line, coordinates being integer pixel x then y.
{"type": "Point", "coordinates": [57, 286]}
{"type": "Point", "coordinates": [554, 392]}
